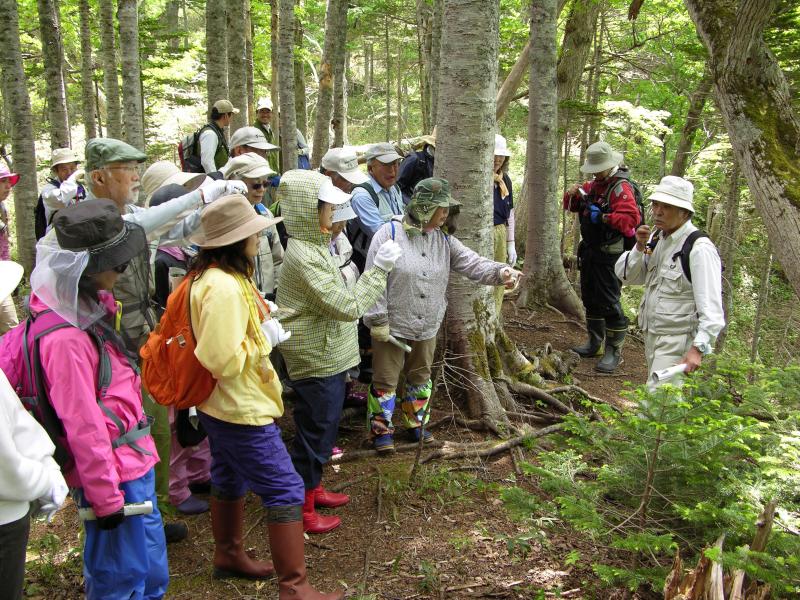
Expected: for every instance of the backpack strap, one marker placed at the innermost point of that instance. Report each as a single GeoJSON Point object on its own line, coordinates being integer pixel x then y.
{"type": "Point", "coordinates": [686, 250]}
{"type": "Point", "coordinates": [371, 191]}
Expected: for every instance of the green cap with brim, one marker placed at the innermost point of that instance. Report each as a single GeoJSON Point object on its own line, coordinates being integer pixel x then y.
{"type": "Point", "coordinates": [103, 151]}
{"type": "Point", "coordinates": [430, 194]}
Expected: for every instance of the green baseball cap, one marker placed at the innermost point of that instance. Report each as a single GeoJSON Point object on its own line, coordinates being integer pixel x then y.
{"type": "Point", "coordinates": [430, 194]}
{"type": "Point", "coordinates": [102, 151]}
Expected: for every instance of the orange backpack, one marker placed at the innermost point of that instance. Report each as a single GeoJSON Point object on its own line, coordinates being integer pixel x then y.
{"type": "Point", "coordinates": [170, 371]}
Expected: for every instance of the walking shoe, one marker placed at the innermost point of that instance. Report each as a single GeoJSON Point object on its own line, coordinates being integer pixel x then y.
{"type": "Point", "coordinates": [313, 522]}
{"type": "Point", "coordinates": [325, 499]}
{"type": "Point", "coordinates": [175, 532]}
{"type": "Point", "coordinates": [200, 487]}
{"type": "Point", "coordinates": [192, 506]}
{"type": "Point", "coordinates": [384, 444]}
{"type": "Point", "coordinates": [413, 435]}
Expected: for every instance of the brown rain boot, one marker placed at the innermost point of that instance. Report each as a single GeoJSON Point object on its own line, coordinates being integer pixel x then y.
{"type": "Point", "coordinates": [288, 551]}
{"type": "Point", "coordinates": [230, 559]}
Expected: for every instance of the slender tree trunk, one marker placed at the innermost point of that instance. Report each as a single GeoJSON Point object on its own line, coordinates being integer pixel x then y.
{"type": "Point", "coordinates": [424, 15]}
{"type": "Point", "coordinates": [387, 90]}
{"type": "Point", "coordinates": [436, 44]}
{"type": "Point", "coordinates": [301, 110]}
{"type": "Point", "coordinates": [18, 106]}
{"type": "Point", "coordinates": [340, 101]}
{"type": "Point", "coordinates": [88, 105]}
{"type": "Point", "coordinates": [172, 18]}
{"type": "Point", "coordinates": [286, 90]}
{"type": "Point", "coordinates": [108, 56]}
{"type": "Point", "coordinates": [249, 66]}
{"type": "Point", "coordinates": [216, 53]}
{"type": "Point", "coordinates": [53, 59]}
{"type": "Point", "coordinates": [755, 102]}
{"type": "Point", "coordinates": [128, 17]}
{"type": "Point", "coordinates": [371, 84]}
{"type": "Point", "coordinates": [399, 68]}
{"type": "Point", "coordinates": [697, 102]}
{"type": "Point", "coordinates": [763, 298]}
{"type": "Point", "coordinates": [727, 247]}
{"type": "Point", "coordinates": [274, 6]}
{"type": "Point", "coordinates": [545, 282]}
{"type": "Point", "coordinates": [513, 81]}
{"type": "Point", "coordinates": [335, 32]}
{"type": "Point", "coordinates": [237, 62]}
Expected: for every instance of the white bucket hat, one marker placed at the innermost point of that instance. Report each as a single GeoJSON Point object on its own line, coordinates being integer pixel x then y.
{"type": "Point", "coordinates": [331, 194]}
{"type": "Point", "coordinates": [63, 156]}
{"type": "Point", "coordinates": [675, 191]}
{"type": "Point", "coordinates": [163, 172]}
{"type": "Point", "coordinates": [600, 157]}
{"type": "Point", "coordinates": [501, 146]}
{"type": "Point", "coordinates": [10, 276]}
{"type": "Point", "coordinates": [345, 163]}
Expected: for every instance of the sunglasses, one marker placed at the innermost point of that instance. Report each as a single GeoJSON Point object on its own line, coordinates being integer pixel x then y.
{"type": "Point", "coordinates": [121, 268]}
{"type": "Point", "coordinates": [261, 185]}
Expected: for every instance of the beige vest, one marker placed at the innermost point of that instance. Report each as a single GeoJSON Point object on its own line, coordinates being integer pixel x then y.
{"type": "Point", "coordinates": [668, 307]}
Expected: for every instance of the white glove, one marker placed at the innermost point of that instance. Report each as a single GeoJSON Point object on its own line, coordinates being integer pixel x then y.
{"type": "Point", "coordinates": [273, 308]}
{"type": "Point", "coordinates": [78, 174]}
{"type": "Point", "coordinates": [275, 332]}
{"type": "Point", "coordinates": [387, 255]}
{"type": "Point", "coordinates": [54, 498]}
{"type": "Point", "coordinates": [512, 254]}
{"type": "Point", "coordinates": [510, 277]}
{"type": "Point", "coordinates": [218, 189]}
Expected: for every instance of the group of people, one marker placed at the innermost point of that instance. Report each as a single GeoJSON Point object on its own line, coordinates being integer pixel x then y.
{"type": "Point", "coordinates": [347, 264]}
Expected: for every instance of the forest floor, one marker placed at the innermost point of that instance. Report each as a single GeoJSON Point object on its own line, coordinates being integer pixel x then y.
{"type": "Point", "coordinates": [445, 535]}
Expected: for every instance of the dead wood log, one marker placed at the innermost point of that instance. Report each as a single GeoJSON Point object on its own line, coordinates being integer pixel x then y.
{"type": "Point", "coordinates": [451, 450]}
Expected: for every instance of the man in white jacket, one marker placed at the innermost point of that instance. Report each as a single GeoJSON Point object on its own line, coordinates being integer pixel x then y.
{"type": "Point", "coordinates": [681, 312]}
{"type": "Point", "coordinates": [28, 473]}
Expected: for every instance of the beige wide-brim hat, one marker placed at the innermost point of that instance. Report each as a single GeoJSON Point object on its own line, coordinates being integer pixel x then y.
{"type": "Point", "coordinates": [229, 220]}
{"type": "Point", "coordinates": [62, 156]}
{"type": "Point", "coordinates": [600, 157]}
{"type": "Point", "coordinates": [674, 191]}
{"type": "Point", "coordinates": [10, 276]}
{"type": "Point", "coordinates": [163, 173]}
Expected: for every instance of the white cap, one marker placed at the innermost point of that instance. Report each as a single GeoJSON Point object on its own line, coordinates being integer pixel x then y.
{"type": "Point", "coordinates": [675, 191]}
{"type": "Point", "coordinates": [343, 212]}
{"type": "Point", "coordinates": [250, 136]}
{"type": "Point", "coordinates": [383, 152]}
{"type": "Point", "coordinates": [345, 163]}
{"type": "Point", "coordinates": [249, 165]}
{"type": "Point", "coordinates": [331, 194]}
{"type": "Point", "coordinates": [163, 172]}
{"type": "Point", "coordinates": [501, 146]}
{"type": "Point", "coordinates": [10, 276]}
{"type": "Point", "coordinates": [263, 102]}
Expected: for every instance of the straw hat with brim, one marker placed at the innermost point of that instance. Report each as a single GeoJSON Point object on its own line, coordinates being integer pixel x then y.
{"type": "Point", "coordinates": [97, 226]}
{"type": "Point", "coordinates": [227, 221]}
{"type": "Point", "coordinates": [10, 276]}
{"type": "Point", "coordinates": [63, 156]}
{"type": "Point", "coordinates": [675, 191]}
{"type": "Point", "coordinates": [600, 157]}
{"type": "Point", "coordinates": [163, 173]}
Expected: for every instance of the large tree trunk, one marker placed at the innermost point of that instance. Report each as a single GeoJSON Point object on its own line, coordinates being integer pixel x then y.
{"type": "Point", "coordinates": [697, 102]}
{"type": "Point", "coordinates": [545, 281]}
{"type": "Point", "coordinates": [340, 99]}
{"type": "Point", "coordinates": [286, 88]}
{"type": "Point", "coordinates": [237, 62]}
{"type": "Point", "coordinates": [18, 105]}
{"type": "Point", "coordinates": [477, 349]}
{"type": "Point", "coordinates": [87, 82]}
{"type": "Point", "coordinates": [108, 56]}
{"type": "Point", "coordinates": [216, 53]}
{"type": "Point", "coordinates": [301, 109]}
{"type": "Point", "coordinates": [128, 18]}
{"type": "Point", "coordinates": [575, 49]}
{"type": "Point", "coordinates": [755, 102]}
{"type": "Point", "coordinates": [53, 59]}
{"type": "Point", "coordinates": [335, 34]}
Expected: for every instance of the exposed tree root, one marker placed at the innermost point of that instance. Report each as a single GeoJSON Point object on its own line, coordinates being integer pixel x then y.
{"type": "Point", "coordinates": [359, 454]}
{"type": "Point", "coordinates": [452, 450]}
{"type": "Point", "coordinates": [539, 394]}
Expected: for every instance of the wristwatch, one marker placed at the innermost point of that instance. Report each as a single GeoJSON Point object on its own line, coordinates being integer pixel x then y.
{"type": "Point", "coordinates": [703, 348]}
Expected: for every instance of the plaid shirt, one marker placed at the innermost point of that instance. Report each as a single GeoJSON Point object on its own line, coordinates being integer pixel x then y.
{"type": "Point", "coordinates": [324, 339]}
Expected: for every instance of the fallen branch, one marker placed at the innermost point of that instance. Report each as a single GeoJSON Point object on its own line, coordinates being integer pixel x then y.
{"type": "Point", "coordinates": [538, 394]}
{"type": "Point", "coordinates": [452, 450]}
{"type": "Point", "coordinates": [359, 454]}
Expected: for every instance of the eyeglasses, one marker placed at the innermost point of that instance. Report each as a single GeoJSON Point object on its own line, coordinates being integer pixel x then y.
{"type": "Point", "coordinates": [128, 168]}
{"type": "Point", "coordinates": [259, 185]}
{"type": "Point", "coordinates": [121, 268]}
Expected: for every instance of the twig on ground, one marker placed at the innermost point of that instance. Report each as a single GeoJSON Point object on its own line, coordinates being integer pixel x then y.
{"type": "Point", "coordinates": [452, 450]}
{"type": "Point", "coordinates": [319, 545]}
{"type": "Point", "coordinates": [538, 394]}
{"type": "Point", "coordinates": [257, 523]}
{"type": "Point", "coordinates": [535, 418]}
{"type": "Point", "coordinates": [346, 484]}
{"type": "Point", "coordinates": [359, 454]}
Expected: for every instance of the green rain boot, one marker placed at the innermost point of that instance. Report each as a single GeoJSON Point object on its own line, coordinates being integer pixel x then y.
{"type": "Point", "coordinates": [613, 355]}
{"type": "Point", "coordinates": [596, 328]}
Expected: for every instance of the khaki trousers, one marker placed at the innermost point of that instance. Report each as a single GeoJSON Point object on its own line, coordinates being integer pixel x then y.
{"type": "Point", "coordinates": [664, 351]}
{"type": "Point", "coordinates": [501, 256]}
{"type": "Point", "coordinates": [8, 314]}
{"type": "Point", "coordinates": [388, 361]}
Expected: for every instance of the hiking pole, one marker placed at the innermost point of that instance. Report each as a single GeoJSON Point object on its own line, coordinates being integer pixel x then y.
{"type": "Point", "coordinates": [136, 508]}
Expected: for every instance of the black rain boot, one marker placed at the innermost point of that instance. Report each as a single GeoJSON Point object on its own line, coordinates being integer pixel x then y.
{"type": "Point", "coordinates": [596, 328]}
{"type": "Point", "coordinates": [613, 355]}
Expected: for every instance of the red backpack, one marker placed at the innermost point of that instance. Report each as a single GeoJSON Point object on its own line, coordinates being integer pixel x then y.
{"type": "Point", "coordinates": [170, 370]}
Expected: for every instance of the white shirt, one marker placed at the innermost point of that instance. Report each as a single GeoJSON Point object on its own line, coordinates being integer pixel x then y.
{"type": "Point", "coordinates": [208, 148]}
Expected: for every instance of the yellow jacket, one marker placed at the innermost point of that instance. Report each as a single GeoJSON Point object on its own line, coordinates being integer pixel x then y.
{"type": "Point", "coordinates": [226, 347]}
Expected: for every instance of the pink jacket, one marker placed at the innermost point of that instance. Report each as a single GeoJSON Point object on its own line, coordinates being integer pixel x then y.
{"type": "Point", "coordinates": [70, 365]}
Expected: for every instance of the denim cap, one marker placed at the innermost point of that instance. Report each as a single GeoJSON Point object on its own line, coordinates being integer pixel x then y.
{"type": "Point", "coordinates": [430, 194]}
{"type": "Point", "coordinates": [103, 151]}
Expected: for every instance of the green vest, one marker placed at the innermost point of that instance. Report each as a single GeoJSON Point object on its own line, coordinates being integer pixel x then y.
{"type": "Point", "coordinates": [274, 156]}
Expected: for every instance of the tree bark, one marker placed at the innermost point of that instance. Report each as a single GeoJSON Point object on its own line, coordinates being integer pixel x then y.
{"type": "Point", "coordinates": [88, 105]}
{"type": "Point", "coordinates": [697, 102]}
{"type": "Point", "coordinates": [171, 15]}
{"type": "Point", "coordinates": [424, 17]}
{"type": "Point", "coordinates": [340, 99]}
{"type": "Point", "coordinates": [216, 53]}
{"type": "Point", "coordinates": [108, 56]}
{"type": "Point", "coordinates": [299, 71]}
{"type": "Point", "coordinates": [436, 45]}
{"type": "Point", "coordinates": [512, 81]}
{"type": "Point", "coordinates": [249, 67]}
{"type": "Point", "coordinates": [237, 62]}
{"type": "Point", "coordinates": [763, 298]}
{"type": "Point", "coordinates": [545, 280]}
{"type": "Point", "coordinates": [274, 7]}
{"type": "Point", "coordinates": [387, 90]}
{"type": "Point", "coordinates": [334, 31]}
{"type": "Point", "coordinates": [727, 247]}
{"type": "Point", "coordinates": [755, 102]}
{"type": "Point", "coordinates": [18, 105]}
{"type": "Point", "coordinates": [128, 17]}
{"type": "Point", "coordinates": [53, 59]}
{"type": "Point", "coordinates": [286, 88]}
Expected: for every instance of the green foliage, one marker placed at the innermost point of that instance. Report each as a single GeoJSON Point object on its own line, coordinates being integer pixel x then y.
{"type": "Point", "coordinates": [51, 567]}
{"type": "Point", "coordinates": [678, 470]}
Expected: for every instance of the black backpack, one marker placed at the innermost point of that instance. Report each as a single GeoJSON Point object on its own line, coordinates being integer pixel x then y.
{"type": "Point", "coordinates": [189, 149]}
{"type": "Point", "coordinates": [620, 176]}
{"type": "Point", "coordinates": [39, 219]}
{"type": "Point", "coordinates": [686, 250]}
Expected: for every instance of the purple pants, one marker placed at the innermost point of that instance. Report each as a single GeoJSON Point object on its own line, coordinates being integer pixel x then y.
{"type": "Point", "coordinates": [252, 457]}
{"type": "Point", "coordinates": [186, 465]}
